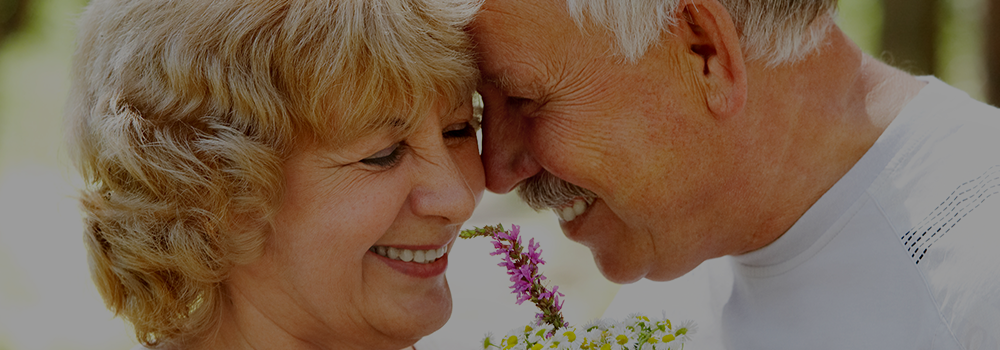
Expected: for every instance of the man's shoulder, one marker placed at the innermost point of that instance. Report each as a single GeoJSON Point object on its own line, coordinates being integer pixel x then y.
{"type": "Point", "coordinates": [947, 145]}
{"type": "Point", "coordinates": [942, 195]}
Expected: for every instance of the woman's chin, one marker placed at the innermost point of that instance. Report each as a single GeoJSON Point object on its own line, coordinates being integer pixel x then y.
{"type": "Point", "coordinates": [427, 314]}
{"type": "Point", "coordinates": [415, 313]}
{"type": "Point", "coordinates": [408, 307]}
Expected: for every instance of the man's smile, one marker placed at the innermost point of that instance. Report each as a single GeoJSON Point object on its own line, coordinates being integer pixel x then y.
{"type": "Point", "coordinates": [571, 210]}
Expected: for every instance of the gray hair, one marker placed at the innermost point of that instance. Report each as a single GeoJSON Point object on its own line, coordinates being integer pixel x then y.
{"type": "Point", "coordinates": [772, 31]}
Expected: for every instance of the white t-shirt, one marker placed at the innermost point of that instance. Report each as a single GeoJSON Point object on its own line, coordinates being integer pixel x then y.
{"type": "Point", "coordinates": [902, 253]}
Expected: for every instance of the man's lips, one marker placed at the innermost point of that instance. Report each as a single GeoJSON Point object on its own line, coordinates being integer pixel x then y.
{"type": "Point", "coordinates": [571, 210]}
{"type": "Point", "coordinates": [575, 227]}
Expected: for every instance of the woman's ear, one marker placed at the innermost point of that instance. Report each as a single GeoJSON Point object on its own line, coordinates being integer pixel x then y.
{"type": "Point", "coordinates": [708, 32]}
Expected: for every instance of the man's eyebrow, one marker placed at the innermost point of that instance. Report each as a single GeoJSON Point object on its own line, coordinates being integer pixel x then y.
{"type": "Point", "coordinates": [504, 81]}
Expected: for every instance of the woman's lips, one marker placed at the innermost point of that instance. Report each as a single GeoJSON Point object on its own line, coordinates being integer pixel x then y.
{"type": "Point", "coordinates": [421, 263]}
{"type": "Point", "coordinates": [418, 255]}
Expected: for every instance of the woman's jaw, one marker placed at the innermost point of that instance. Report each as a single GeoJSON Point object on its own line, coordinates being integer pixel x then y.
{"type": "Point", "coordinates": [415, 295]}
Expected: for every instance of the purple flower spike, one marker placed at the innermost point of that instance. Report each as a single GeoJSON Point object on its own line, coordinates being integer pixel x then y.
{"type": "Point", "coordinates": [523, 271]}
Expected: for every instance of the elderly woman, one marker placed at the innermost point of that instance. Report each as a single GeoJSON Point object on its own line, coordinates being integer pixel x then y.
{"type": "Point", "coordinates": [282, 174]}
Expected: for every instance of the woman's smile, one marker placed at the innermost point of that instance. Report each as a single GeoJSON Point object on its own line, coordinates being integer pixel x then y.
{"type": "Point", "coordinates": [415, 269]}
{"type": "Point", "coordinates": [416, 255]}
{"type": "Point", "coordinates": [423, 261]}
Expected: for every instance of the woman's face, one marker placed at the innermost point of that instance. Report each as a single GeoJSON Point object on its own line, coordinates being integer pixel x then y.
{"type": "Point", "coordinates": [322, 278]}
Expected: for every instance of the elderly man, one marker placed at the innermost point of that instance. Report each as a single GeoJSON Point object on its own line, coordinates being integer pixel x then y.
{"type": "Point", "coordinates": [860, 204]}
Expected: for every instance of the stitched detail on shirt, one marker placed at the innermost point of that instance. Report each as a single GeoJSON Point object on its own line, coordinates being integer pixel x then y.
{"type": "Point", "coordinates": [965, 199]}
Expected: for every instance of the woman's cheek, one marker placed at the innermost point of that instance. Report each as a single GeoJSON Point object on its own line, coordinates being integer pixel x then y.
{"type": "Point", "coordinates": [472, 168]}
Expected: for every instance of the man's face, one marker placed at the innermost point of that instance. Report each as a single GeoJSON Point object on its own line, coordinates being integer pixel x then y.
{"type": "Point", "coordinates": [638, 136]}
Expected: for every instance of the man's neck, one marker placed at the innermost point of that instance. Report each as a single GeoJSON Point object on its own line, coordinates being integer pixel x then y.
{"type": "Point", "coordinates": [811, 121]}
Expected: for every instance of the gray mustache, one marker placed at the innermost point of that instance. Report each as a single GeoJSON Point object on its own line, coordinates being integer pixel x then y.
{"type": "Point", "coordinates": [544, 191]}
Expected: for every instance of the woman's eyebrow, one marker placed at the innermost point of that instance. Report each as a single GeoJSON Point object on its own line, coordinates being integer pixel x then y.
{"type": "Point", "coordinates": [393, 125]}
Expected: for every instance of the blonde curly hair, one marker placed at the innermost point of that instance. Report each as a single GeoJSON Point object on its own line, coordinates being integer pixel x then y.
{"type": "Point", "coordinates": [182, 111]}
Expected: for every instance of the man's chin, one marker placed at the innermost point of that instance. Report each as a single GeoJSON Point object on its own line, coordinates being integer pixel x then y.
{"type": "Point", "coordinates": [626, 274]}
{"type": "Point", "coordinates": [624, 267]}
{"type": "Point", "coordinates": [664, 271]}
{"type": "Point", "coordinates": [664, 276]}
{"type": "Point", "coordinates": [619, 269]}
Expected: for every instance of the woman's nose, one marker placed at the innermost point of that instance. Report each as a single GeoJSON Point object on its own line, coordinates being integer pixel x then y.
{"type": "Point", "coordinates": [447, 187]}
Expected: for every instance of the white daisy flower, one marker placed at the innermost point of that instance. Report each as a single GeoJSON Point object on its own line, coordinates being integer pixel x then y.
{"type": "Point", "coordinates": [488, 341]}
{"type": "Point", "coordinates": [685, 330]}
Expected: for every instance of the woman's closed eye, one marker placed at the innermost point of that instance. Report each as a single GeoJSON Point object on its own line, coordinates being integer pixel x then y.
{"type": "Point", "coordinates": [459, 131]}
{"type": "Point", "coordinates": [385, 158]}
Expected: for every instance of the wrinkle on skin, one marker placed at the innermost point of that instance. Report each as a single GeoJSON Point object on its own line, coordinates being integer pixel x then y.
{"type": "Point", "coordinates": [316, 286]}
{"type": "Point", "coordinates": [695, 154]}
{"type": "Point", "coordinates": [598, 103]}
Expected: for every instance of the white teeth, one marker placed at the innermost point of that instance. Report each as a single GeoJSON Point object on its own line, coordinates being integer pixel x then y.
{"type": "Point", "coordinates": [570, 212]}
{"type": "Point", "coordinates": [579, 206]}
{"type": "Point", "coordinates": [567, 214]}
{"type": "Point", "coordinates": [417, 256]}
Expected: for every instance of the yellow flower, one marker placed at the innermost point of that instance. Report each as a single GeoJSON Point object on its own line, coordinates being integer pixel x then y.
{"type": "Point", "coordinates": [570, 336]}
{"type": "Point", "coordinates": [622, 339]}
{"type": "Point", "coordinates": [511, 342]}
{"type": "Point", "coordinates": [537, 346]}
{"type": "Point", "coordinates": [668, 338]}
{"type": "Point", "coordinates": [540, 333]}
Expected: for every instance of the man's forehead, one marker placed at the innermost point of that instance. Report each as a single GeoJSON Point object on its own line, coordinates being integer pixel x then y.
{"type": "Point", "coordinates": [515, 42]}
{"type": "Point", "coordinates": [510, 24]}
{"type": "Point", "coordinates": [496, 30]}
{"type": "Point", "coordinates": [509, 67]}
{"type": "Point", "coordinates": [518, 13]}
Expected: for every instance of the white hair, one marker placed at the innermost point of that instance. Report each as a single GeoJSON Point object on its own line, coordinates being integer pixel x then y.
{"type": "Point", "coordinates": [773, 31]}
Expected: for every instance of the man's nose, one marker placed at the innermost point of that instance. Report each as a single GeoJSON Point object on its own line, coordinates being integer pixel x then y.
{"type": "Point", "coordinates": [507, 156]}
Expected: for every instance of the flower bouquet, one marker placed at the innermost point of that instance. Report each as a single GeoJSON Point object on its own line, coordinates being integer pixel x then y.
{"type": "Point", "coordinates": [549, 330]}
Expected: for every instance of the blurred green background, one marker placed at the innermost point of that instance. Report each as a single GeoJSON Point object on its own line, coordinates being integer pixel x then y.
{"type": "Point", "coordinates": [48, 302]}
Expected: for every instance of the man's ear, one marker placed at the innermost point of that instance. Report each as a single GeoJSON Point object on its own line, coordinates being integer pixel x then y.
{"type": "Point", "coordinates": [710, 35]}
